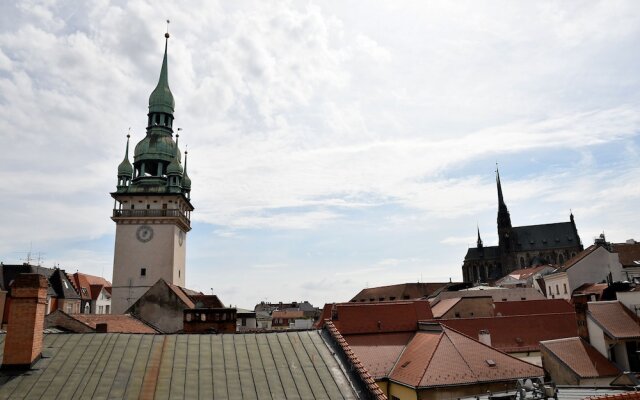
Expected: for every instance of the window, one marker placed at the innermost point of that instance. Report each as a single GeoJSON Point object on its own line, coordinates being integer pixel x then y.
{"type": "Point", "coordinates": [143, 272]}
{"type": "Point", "coordinates": [203, 317]}
{"type": "Point", "coordinates": [550, 292]}
{"type": "Point", "coordinates": [244, 322]}
{"type": "Point", "coordinates": [188, 317]}
{"type": "Point", "coordinates": [100, 309]}
{"type": "Point", "coordinates": [557, 290]}
{"type": "Point", "coordinates": [148, 206]}
{"type": "Point", "coordinates": [87, 308]}
{"type": "Point", "coordinates": [565, 288]}
{"type": "Point", "coordinates": [84, 291]}
{"type": "Point", "coordinates": [107, 309]}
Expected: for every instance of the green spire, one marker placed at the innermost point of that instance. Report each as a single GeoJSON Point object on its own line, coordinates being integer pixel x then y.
{"type": "Point", "coordinates": [161, 99]}
{"type": "Point", "coordinates": [186, 181]}
{"type": "Point", "coordinates": [125, 167]}
{"type": "Point", "coordinates": [174, 167]}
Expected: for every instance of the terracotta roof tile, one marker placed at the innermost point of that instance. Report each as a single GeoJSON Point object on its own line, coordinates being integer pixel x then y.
{"type": "Point", "coordinates": [403, 291]}
{"type": "Point", "coordinates": [531, 307]}
{"type": "Point", "coordinates": [400, 316]}
{"type": "Point", "coordinates": [524, 273]}
{"type": "Point", "coordinates": [635, 395]}
{"type": "Point", "coordinates": [181, 294]}
{"type": "Point", "coordinates": [629, 254]}
{"type": "Point", "coordinates": [581, 357]}
{"type": "Point", "coordinates": [518, 332]}
{"type": "Point", "coordinates": [444, 306]}
{"type": "Point", "coordinates": [378, 351]}
{"type": "Point", "coordinates": [615, 319]}
{"type": "Point", "coordinates": [433, 359]}
{"type": "Point", "coordinates": [375, 393]}
{"type": "Point", "coordinates": [124, 323]}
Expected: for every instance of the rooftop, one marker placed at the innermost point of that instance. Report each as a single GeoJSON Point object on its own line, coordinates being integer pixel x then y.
{"type": "Point", "coordinates": [445, 357]}
{"type": "Point", "coordinates": [615, 319]}
{"type": "Point", "coordinates": [629, 253]}
{"type": "Point", "coordinates": [581, 358]}
{"type": "Point", "coordinates": [124, 323]}
{"type": "Point", "coordinates": [111, 365]}
{"type": "Point", "coordinates": [403, 291]}
{"type": "Point", "coordinates": [518, 332]}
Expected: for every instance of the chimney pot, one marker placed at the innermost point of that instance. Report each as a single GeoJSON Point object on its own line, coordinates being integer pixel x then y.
{"type": "Point", "coordinates": [23, 343]}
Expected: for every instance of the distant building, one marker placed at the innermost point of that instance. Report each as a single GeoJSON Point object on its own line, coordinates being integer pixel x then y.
{"type": "Point", "coordinates": [95, 293]}
{"type": "Point", "coordinates": [246, 320]}
{"type": "Point", "coordinates": [525, 277]}
{"type": "Point", "coordinates": [629, 256]}
{"type": "Point", "coordinates": [520, 246]}
{"type": "Point", "coordinates": [405, 291]}
{"type": "Point", "coordinates": [597, 263]}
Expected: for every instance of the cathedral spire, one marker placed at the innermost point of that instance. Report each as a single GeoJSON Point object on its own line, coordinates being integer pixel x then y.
{"type": "Point", "coordinates": [504, 220]}
{"type": "Point", "coordinates": [479, 242]}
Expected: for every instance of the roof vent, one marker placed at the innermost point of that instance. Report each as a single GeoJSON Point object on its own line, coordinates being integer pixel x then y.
{"type": "Point", "coordinates": [490, 363]}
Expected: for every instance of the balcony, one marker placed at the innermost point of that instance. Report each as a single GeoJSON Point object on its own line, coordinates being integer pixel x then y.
{"type": "Point", "coordinates": [184, 219]}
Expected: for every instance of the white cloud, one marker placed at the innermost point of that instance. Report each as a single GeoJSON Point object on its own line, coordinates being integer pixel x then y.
{"type": "Point", "coordinates": [321, 117]}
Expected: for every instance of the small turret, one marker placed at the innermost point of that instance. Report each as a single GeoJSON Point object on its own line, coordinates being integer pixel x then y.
{"type": "Point", "coordinates": [174, 170]}
{"type": "Point", "coordinates": [186, 181]}
{"type": "Point", "coordinates": [125, 169]}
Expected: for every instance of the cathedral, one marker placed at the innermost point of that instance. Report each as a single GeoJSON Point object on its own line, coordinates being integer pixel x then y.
{"type": "Point", "coordinates": [152, 205]}
{"type": "Point", "coordinates": [520, 246]}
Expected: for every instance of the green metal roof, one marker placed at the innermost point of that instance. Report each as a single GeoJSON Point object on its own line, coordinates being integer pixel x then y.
{"type": "Point", "coordinates": [161, 99]}
{"type": "Point", "coordinates": [291, 365]}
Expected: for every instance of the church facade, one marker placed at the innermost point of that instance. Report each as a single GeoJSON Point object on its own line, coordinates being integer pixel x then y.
{"type": "Point", "coordinates": [152, 205]}
{"type": "Point", "coordinates": [520, 246]}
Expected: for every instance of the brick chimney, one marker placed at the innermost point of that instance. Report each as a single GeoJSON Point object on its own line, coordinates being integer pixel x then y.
{"type": "Point", "coordinates": [23, 343]}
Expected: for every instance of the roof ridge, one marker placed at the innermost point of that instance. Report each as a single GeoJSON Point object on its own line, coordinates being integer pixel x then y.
{"type": "Point", "coordinates": [431, 356]}
{"type": "Point", "coordinates": [475, 375]}
{"type": "Point", "coordinates": [361, 371]}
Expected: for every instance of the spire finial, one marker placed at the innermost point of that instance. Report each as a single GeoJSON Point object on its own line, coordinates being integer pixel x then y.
{"type": "Point", "coordinates": [166, 35]}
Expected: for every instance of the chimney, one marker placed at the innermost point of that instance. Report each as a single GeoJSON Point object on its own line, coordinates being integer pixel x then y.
{"type": "Point", "coordinates": [101, 327]}
{"type": "Point", "coordinates": [23, 343]}
{"type": "Point", "coordinates": [484, 337]}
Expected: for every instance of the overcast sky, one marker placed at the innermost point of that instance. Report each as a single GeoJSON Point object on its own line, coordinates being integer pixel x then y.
{"type": "Point", "coordinates": [333, 145]}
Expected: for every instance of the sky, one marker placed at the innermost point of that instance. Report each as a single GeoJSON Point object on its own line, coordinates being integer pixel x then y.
{"type": "Point", "coordinates": [333, 145]}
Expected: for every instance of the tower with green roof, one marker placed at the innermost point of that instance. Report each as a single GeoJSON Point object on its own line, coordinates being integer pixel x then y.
{"type": "Point", "coordinates": [152, 205]}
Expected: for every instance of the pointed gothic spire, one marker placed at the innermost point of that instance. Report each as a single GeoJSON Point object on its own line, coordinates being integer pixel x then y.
{"type": "Point", "coordinates": [161, 99]}
{"type": "Point", "coordinates": [501, 203]}
{"type": "Point", "coordinates": [125, 168]}
{"type": "Point", "coordinates": [479, 242]}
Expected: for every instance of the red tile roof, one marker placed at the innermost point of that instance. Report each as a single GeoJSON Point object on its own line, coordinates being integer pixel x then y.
{"type": "Point", "coordinates": [629, 254]}
{"type": "Point", "coordinates": [399, 316]}
{"type": "Point", "coordinates": [92, 284]}
{"type": "Point", "coordinates": [518, 332]}
{"type": "Point", "coordinates": [181, 294]}
{"type": "Point", "coordinates": [116, 323]}
{"type": "Point", "coordinates": [615, 319]}
{"type": "Point", "coordinates": [446, 358]}
{"type": "Point", "coordinates": [375, 393]}
{"type": "Point", "coordinates": [403, 291]}
{"type": "Point", "coordinates": [531, 307]}
{"type": "Point", "coordinates": [524, 273]}
{"type": "Point", "coordinates": [581, 358]}
{"type": "Point", "coordinates": [379, 351]}
{"type": "Point", "coordinates": [444, 306]}
{"type": "Point", "coordinates": [619, 396]}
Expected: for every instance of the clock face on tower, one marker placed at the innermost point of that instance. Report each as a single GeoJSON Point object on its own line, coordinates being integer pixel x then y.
{"type": "Point", "coordinates": [180, 237]}
{"type": "Point", "coordinates": [144, 233]}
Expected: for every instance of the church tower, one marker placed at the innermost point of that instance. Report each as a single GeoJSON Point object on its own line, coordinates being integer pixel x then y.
{"type": "Point", "coordinates": [506, 234]}
{"type": "Point", "coordinates": [152, 206]}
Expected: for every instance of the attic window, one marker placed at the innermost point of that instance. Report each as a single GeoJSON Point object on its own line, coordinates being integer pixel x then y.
{"type": "Point", "coordinates": [490, 363]}
{"type": "Point", "coordinates": [405, 364]}
{"type": "Point", "coordinates": [65, 284]}
{"type": "Point", "coordinates": [381, 299]}
{"type": "Point", "coordinates": [84, 291]}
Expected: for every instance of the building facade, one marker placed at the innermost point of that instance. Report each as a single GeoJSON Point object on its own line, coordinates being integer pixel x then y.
{"type": "Point", "coordinates": [152, 206]}
{"type": "Point", "coordinates": [520, 246]}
